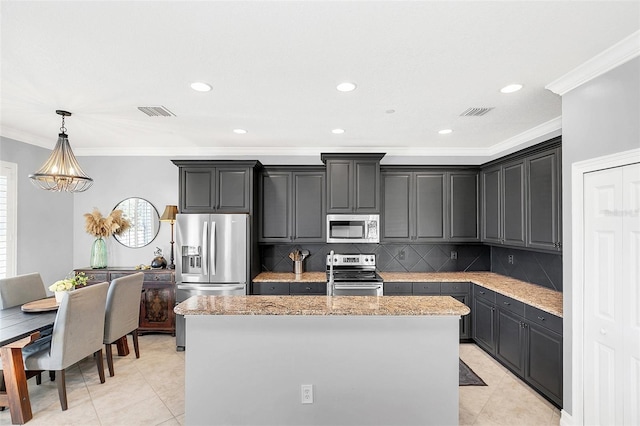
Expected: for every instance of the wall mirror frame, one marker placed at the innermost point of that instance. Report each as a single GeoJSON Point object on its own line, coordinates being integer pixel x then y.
{"type": "Point", "coordinates": [145, 222]}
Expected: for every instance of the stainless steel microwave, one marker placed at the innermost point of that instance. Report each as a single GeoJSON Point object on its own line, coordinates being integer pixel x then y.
{"type": "Point", "coordinates": [353, 228]}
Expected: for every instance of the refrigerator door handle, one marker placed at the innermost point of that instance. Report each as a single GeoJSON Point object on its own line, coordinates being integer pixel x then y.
{"type": "Point", "coordinates": [205, 250]}
{"type": "Point", "coordinates": [213, 248]}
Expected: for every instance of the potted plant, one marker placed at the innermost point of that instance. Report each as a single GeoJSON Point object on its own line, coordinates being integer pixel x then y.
{"type": "Point", "coordinates": [68, 284]}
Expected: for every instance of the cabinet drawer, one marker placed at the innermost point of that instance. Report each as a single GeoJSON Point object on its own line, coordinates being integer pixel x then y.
{"type": "Point", "coordinates": [426, 288]}
{"type": "Point", "coordinates": [397, 289]}
{"type": "Point", "coordinates": [509, 304]}
{"type": "Point", "coordinates": [115, 275]}
{"type": "Point", "coordinates": [543, 318]}
{"type": "Point", "coordinates": [484, 293]}
{"type": "Point", "coordinates": [157, 277]}
{"type": "Point", "coordinates": [450, 288]}
{"type": "Point", "coordinates": [308, 288]}
{"type": "Point", "coordinates": [271, 288]}
{"type": "Point", "coordinates": [96, 277]}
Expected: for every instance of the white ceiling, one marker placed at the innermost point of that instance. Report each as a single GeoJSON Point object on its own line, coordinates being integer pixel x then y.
{"type": "Point", "coordinates": [274, 66]}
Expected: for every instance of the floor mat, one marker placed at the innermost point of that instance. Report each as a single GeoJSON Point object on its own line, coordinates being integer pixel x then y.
{"type": "Point", "coordinates": [468, 377]}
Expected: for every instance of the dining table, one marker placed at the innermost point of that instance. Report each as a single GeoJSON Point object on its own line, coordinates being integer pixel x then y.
{"type": "Point", "coordinates": [17, 329]}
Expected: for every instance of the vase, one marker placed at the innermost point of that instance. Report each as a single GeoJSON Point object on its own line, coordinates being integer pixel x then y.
{"type": "Point", "coordinates": [60, 294]}
{"type": "Point", "coordinates": [98, 254]}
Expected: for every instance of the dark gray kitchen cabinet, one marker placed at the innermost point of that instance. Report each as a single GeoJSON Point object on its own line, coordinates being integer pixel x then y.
{"type": "Point", "coordinates": [543, 368]}
{"type": "Point", "coordinates": [216, 186]}
{"type": "Point", "coordinates": [353, 182]}
{"type": "Point", "coordinates": [292, 206]}
{"type": "Point", "coordinates": [543, 200]}
{"type": "Point", "coordinates": [491, 181]}
{"type": "Point", "coordinates": [503, 204]}
{"type": "Point", "coordinates": [414, 207]}
{"type": "Point", "coordinates": [397, 289]}
{"type": "Point", "coordinates": [513, 207]}
{"type": "Point", "coordinates": [483, 313]}
{"type": "Point", "coordinates": [510, 344]}
{"type": "Point", "coordinates": [464, 206]}
{"type": "Point", "coordinates": [270, 288]}
{"type": "Point", "coordinates": [309, 288]}
{"type": "Point", "coordinates": [461, 292]}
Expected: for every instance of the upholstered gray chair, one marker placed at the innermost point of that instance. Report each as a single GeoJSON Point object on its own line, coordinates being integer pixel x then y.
{"type": "Point", "coordinates": [122, 313]}
{"type": "Point", "coordinates": [21, 289]}
{"type": "Point", "coordinates": [77, 333]}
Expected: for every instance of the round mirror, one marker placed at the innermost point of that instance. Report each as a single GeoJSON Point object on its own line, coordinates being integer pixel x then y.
{"type": "Point", "coordinates": [144, 219]}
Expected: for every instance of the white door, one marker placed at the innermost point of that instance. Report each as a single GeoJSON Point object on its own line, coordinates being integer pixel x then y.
{"type": "Point", "coordinates": [611, 296]}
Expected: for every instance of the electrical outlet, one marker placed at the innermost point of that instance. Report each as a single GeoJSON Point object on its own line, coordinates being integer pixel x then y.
{"type": "Point", "coordinates": [454, 255]}
{"type": "Point", "coordinates": [401, 255]}
{"type": "Point", "coordinates": [510, 259]}
{"type": "Point", "coordinates": [307, 394]}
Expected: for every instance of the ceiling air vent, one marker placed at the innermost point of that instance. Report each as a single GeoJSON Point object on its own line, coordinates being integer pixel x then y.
{"type": "Point", "coordinates": [476, 112]}
{"type": "Point", "coordinates": [156, 111]}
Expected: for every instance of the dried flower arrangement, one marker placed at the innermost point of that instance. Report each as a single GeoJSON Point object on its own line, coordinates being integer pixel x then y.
{"type": "Point", "coordinates": [102, 227]}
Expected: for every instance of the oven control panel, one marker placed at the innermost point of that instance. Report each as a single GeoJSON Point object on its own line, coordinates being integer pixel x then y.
{"type": "Point", "coordinates": [359, 259]}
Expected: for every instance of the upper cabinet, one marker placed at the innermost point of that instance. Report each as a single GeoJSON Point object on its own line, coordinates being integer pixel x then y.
{"type": "Point", "coordinates": [216, 186]}
{"type": "Point", "coordinates": [429, 205]}
{"type": "Point", "coordinates": [521, 204]}
{"type": "Point", "coordinates": [543, 200]}
{"type": "Point", "coordinates": [353, 182]}
{"type": "Point", "coordinates": [292, 205]}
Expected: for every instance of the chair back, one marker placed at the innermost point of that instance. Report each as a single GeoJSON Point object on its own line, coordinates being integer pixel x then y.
{"type": "Point", "coordinates": [79, 325]}
{"type": "Point", "coordinates": [122, 313]}
{"type": "Point", "coordinates": [19, 290]}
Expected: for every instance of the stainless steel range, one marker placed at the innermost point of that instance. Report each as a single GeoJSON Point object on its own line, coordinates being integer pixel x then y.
{"type": "Point", "coordinates": [353, 275]}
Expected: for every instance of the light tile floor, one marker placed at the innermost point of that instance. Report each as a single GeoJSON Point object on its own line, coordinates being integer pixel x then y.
{"type": "Point", "coordinates": [150, 391]}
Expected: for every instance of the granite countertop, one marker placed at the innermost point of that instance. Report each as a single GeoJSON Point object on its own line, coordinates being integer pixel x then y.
{"type": "Point", "coordinates": [540, 297]}
{"type": "Point", "coordinates": [323, 305]}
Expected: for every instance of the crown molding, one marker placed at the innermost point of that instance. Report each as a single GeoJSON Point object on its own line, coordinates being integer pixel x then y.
{"type": "Point", "coordinates": [540, 133]}
{"type": "Point", "coordinates": [621, 52]}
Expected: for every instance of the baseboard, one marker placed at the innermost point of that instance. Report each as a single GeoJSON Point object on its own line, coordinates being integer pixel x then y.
{"type": "Point", "coordinates": [565, 419]}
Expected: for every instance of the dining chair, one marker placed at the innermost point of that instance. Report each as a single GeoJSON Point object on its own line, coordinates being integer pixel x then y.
{"type": "Point", "coordinates": [21, 289]}
{"type": "Point", "coordinates": [122, 313]}
{"type": "Point", "coordinates": [77, 333]}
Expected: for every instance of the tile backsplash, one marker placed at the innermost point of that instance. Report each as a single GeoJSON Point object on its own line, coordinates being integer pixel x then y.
{"type": "Point", "coordinates": [544, 269]}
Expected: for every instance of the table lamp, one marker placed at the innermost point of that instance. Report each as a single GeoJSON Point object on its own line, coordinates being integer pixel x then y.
{"type": "Point", "coordinates": [169, 215]}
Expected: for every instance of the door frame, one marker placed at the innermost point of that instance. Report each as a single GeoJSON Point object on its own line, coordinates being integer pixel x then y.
{"type": "Point", "coordinates": [578, 170]}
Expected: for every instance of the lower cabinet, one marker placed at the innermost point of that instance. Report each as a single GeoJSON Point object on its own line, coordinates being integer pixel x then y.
{"type": "Point", "coordinates": [157, 299]}
{"type": "Point", "coordinates": [458, 290]}
{"type": "Point", "coordinates": [287, 288]}
{"type": "Point", "coordinates": [523, 338]}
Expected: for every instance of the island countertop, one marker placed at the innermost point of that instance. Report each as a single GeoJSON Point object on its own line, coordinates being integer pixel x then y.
{"type": "Point", "coordinates": [323, 305]}
{"type": "Point", "coordinates": [540, 297]}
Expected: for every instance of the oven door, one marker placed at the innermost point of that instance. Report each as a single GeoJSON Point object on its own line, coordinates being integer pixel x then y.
{"type": "Point", "coordinates": [357, 289]}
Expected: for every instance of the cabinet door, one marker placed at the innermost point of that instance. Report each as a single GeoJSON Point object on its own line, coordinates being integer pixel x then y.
{"type": "Point", "coordinates": [275, 207]}
{"type": "Point", "coordinates": [465, 321]}
{"type": "Point", "coordinates": [543, 218]}
{"type": "Point", "coordinates": [544, 361]}
{"type": "Point", "coordinates": [513, 208]}
{"type": "Point", "coordinates": [484, 324]}
{"type": "Point", "coordinates": [340, 186]}
{"type": "Point", "coordinates": [367, 186]}
{"type": "Point", "coordinates": [233, 190]}
{"type": "Point", "coordinates": [464, 207]}
{"type": "Point", "coordinates": [510, 343]}
{"type": "Point", "coordinates": [491, 205]}
{"type": "Point", "coordinates": [156, 307]}
{"type": "Point", "coordinates": [197, 190]}
{"type": "Point", "coordinates": [430, 206]}
{"type": "Point", "coordinates": [396, 187]}
{"type": "Point", "coordinates": [309, 219]}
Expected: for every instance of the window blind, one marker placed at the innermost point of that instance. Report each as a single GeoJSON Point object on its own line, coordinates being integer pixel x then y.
{"type": "Point", "coordinates": [8, 217]}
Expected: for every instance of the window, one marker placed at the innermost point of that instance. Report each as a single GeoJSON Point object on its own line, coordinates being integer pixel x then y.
{"type": "Point", "coordinates": [8, 218]}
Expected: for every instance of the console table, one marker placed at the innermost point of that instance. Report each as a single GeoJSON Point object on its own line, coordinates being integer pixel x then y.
{"type": "Point", "coordinates": [156, 301]}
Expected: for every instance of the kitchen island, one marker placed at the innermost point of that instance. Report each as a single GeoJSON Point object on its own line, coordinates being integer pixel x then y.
{"type": "Point", "coordinates": [366, 360]}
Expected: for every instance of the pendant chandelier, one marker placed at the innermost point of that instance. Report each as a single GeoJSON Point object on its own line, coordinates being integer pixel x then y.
{"type": "Point", "coordinates": [62, 172]}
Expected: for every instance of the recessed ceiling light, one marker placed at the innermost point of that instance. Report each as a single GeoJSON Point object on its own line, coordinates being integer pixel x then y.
{"type": "Point", "coordinates": [390, 111]}
{"type": "Point", "coordinates": [200, 86]}
{"type": "Point", "coordinates": [445, 131]}
{"type": "Point", "coordinates": [337, 131]}
{"type": "Point", "coordinates": [239, 131]}
{"type": "Point", "coordinates": [346, 87]}
{"type": "Point", "coordinates": [511, 88]}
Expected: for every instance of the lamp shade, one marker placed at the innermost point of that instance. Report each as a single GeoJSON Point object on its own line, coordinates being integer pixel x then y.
{"type": "Point", "coordinates": [169, 214]}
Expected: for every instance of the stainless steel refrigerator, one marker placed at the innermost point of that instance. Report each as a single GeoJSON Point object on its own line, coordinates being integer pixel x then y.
{"type": "Point", "coordinates": [212, 258]}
